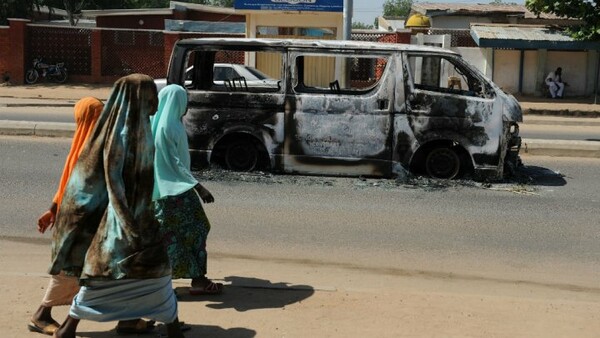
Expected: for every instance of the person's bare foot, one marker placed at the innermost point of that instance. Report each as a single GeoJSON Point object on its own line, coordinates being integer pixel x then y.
{"type": "Point", "coordinates": [67, 329]}
{"type": "Point", "coordinates": [42, 321]}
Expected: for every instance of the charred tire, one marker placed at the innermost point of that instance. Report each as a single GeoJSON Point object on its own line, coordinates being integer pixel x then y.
{"type": "Point", "coordinates": [442, 162]}
{"type": "Point", "coordinates": [31, 76]}
{"type": "Point", "coordinates": [61, 77]}
{"type": "Point", "coordinates": [241, 155]}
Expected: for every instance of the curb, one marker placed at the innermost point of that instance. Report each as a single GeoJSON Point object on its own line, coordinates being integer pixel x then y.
{"type": "Point", "coordinates": [562, 112]}
{"type": "Point", "coordinates": [9, 105]}
{"type": "Point", "coordinates": [539, 147]}
{"type": "Point", "coordinates": [560, 148]}
{"type": "Point", "coordinates": [28, 128]}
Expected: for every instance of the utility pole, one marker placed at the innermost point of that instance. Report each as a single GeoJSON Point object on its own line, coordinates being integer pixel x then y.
{"type": "Point", "coordinates": [348, 8]}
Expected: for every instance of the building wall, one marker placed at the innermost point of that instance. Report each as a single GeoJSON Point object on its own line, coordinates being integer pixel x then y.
{"type": "Point", "coordinates": [530, 66]}
{"type": "Point", "coordinates": [457, 22]}
{"type": "Point", "coordinates": [3, 52]}
{"type": "Point", "coordinates": [284, 19]}
{"type": "Point", "coordinates": [132, 22]}
{"type": "Point", "coordinates": [475, 56]}
{"type": "Point", "coordinates": [574, 68]}
{"type": "Point", "coordinates": [203, 16]}
{"type": "Point", "coordinates": [506, 70]}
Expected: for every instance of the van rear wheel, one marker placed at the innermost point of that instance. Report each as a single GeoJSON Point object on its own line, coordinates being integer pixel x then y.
{"type": "Point", "coordinates": [241, 156]}
{"type": "Point", "coordinates": [442, 162]}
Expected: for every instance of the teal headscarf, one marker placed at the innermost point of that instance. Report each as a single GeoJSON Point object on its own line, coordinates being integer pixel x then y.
{"type": "Point", "coordinates": [105, 227]}
{"type": "Point", "coordinates": [172, 174]}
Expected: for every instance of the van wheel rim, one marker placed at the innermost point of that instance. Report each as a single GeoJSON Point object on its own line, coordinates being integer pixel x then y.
{"type": "Point", "coordinates": [442, 163]}
{"type": "Point", "coordinates": [241, 156]}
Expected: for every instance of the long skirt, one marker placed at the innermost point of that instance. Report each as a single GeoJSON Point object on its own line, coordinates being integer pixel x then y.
{"type": "Point", "coordinates": [126, 299]}
{"type": "Point", "coordinates": [184, 228]}
{"type": "Point", "coordinates": [61, 290]}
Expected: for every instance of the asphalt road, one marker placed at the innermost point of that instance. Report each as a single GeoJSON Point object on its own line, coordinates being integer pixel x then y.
{"type": "Point", "coordinates": [581, 132]}
{"type": "Point", "coordinates": [546, 230]}
{"type": "Point", "coordinates": [42, 114]}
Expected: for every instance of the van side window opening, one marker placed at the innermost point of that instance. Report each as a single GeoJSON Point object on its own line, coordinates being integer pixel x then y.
{"type": "Point", "coordinates": [440, 74]}
{"type": "Point", "coordinates": [235, 71]}
{"type": "Point", "coordinates": [337, 74]}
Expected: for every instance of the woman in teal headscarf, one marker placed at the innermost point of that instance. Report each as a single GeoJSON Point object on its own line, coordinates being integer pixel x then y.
{"type": "Point", "coordinates": [178, 195]}
{"type": "Point", "coordinates": [105, 230]}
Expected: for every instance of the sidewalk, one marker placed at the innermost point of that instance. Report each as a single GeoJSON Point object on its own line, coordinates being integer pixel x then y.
{"type": "Point", "coordinates": [285, 298]}
{"type": "Point", "coordinates": [539, 111]}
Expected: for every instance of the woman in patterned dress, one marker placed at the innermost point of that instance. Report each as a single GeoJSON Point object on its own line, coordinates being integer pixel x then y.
{"type": "Point", "coordinates": [178, 196]}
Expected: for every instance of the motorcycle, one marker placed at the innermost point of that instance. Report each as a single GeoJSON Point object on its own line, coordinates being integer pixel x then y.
{"type": "Point", "coordinates": [57, 72]}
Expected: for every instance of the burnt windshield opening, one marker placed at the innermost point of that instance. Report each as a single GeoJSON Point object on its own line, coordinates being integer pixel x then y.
{"type": "Point", "coordinates": [446, 75]}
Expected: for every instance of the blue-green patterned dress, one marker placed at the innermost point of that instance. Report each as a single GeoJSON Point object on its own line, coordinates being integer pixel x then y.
{"type": "Point", "coordinates": [184, 228]}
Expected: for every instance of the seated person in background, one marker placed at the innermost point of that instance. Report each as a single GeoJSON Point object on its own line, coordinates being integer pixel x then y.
{"type": "Point", "coordinates": [555, 83]}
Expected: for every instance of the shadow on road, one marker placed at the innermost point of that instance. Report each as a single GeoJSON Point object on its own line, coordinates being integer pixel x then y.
{"type": "Point", "coordinates": [244, 293]}
{"type": "Point", "coordinates": [534, 175]}
{"type": "Point", "coordinates": [194, 331]}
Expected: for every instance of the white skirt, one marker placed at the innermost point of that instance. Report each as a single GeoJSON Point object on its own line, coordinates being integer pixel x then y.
{"type": "Point", "coordinates": [126, 299]}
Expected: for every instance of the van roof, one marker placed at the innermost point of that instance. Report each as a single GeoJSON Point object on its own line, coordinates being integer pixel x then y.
{"type": "Point", "coordinates": [310, 44]}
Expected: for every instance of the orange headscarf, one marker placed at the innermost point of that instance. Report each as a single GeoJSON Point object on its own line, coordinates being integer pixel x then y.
{"type": "Point", "coordinates": [87, 111]}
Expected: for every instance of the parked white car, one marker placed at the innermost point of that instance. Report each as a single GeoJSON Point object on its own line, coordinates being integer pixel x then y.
{"type": "Point", "coordinates": [231, 74]}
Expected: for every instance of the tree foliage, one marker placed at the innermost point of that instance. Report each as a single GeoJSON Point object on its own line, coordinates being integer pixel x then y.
{"type": "Point", "coordinates": [397, 8]}
{"type": "Point", "coordinates": [587, 11]}
{"type": "Point", "coordinates": [360, 25]}
{"type": "Point", "coordinates": [20, 9]}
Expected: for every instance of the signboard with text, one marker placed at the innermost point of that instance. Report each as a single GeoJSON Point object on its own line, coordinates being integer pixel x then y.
{"type": "Point", "coordinates": [291, 5]}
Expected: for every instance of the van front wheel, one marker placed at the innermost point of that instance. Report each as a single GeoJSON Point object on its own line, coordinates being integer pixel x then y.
{"type": "Point", "coordinates": [241, 156]}
{"type": "Point", "coordinates": [442, 162]}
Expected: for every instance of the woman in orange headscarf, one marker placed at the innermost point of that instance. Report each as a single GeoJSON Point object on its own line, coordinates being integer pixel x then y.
{"type": "Point", "coordinates": [61, 289]}
{"type": "Point", "coordinates": [87, 111]}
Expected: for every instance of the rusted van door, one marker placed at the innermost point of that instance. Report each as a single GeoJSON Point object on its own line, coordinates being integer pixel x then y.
{"type": "Point", "coordinates": [336, 125]}
{"type": "Point", "coordinates": [453, 115]}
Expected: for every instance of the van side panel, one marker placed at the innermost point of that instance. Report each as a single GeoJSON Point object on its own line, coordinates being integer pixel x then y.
{"type": "Point", "coordinates": [212, 115]}
{"type": "Point", "coordinates": [341, 133]}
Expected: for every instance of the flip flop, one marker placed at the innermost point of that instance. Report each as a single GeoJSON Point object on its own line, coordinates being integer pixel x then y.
{"type": "Point", "coordinates": [210, 289]}
{"type": "Point", "coordinates": [141, 327]}
{"type": "Point", "coordinates": [47, 330]}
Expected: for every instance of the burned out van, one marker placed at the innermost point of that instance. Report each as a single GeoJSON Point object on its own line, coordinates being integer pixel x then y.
{"type": "Point", "coordinates": [344, 108]}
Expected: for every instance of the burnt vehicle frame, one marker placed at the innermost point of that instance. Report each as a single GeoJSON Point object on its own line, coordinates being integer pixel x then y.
{"type": "Point", "coordinates": [403, 120]}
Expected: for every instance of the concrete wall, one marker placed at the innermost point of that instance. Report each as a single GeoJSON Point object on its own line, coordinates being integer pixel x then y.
{"type": "Point", "coordinates": [574, 69]}
{"type": "Point", "coordinates": [506, 69]}
{"type": "Point", "coordinates": [579, 68]}
{"type": "Point", "coordinates": [530, 65]}
{"type": "Point", "coordinates": [476, 57]}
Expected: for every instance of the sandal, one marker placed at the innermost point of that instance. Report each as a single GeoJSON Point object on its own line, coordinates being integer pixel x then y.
{"type": "Point", "coordinates": [209, 289]}
{"type": "Point", "coordinates": [48, 329]}
{"type": "Point", "coordinates": [140, 327]}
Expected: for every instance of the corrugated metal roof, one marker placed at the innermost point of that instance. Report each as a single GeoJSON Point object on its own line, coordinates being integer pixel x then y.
{"type": "Point", "coordinates": [529, 33]}
{"type": "Point", "coordinates": [526, 37]}
{"type": "Point", "coordinates": [435, 9]}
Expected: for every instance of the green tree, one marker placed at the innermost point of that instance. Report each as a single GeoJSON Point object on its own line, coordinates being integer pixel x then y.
{"type": "Point", "coordinates": [587, 11]}
{"type": "Point", "coordinates": [360, 25]}
{"type": "Point", "coordinates": [397, 8]}
{"type": "Point", "coordinates": [21, 9]}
